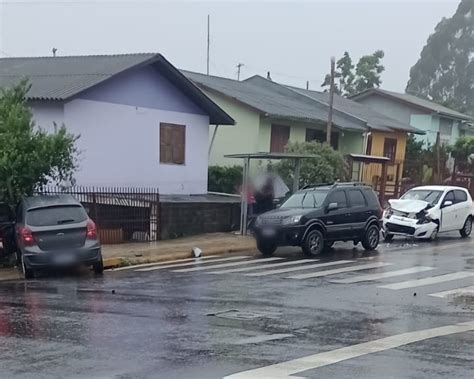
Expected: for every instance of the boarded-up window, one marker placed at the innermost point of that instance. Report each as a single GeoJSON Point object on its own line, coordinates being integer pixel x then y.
{"type": "Point", "coordinates": [390, 148]}
{"type": "Point", "coordinates": [279, 138]}
{"type": "Point", "coordinates": [320, 136]}
{"type": "Point", "coordinates": [172, 143]}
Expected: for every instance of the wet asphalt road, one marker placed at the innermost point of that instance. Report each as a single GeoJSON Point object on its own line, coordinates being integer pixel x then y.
{"type": "Point", "coordinates": [193, 324]}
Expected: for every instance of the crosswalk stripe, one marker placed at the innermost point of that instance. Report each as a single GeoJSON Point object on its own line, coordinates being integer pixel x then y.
{"type": "Point", "coordinates": [264, 266]}
{"type": "Point", "coordinates": [339, 270]}
{"type": "Point", "coordinates": [455, 292]}
{"type": "Point", "coordinates": [299, 268]}
{"type": "Point", "coordinates": [389, 274]}
{"type": "Point", "coordinates": [228, 265]}
{"type": "Point", "coordinates": [197, 261]}
{"type": "Point", "coordinates": [429, 280]}
{"type": "Point", "coordinates": [162, 263]}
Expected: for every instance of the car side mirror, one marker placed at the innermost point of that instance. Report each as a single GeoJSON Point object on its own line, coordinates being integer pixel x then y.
{"type": "Point", "coordinates": [332, 207]}
{"type": "Point", "coordinates": [447, 203]}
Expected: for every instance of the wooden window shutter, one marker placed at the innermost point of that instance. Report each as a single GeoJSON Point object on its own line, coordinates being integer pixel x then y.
{"type": "Point", "coordinates": [280, 134]}
{"type": "Point", "coordinates": [172, 143]}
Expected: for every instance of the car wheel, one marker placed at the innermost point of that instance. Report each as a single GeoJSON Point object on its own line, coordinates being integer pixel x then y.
{"type": "Point", "coordinates": [387, 237]}
{"type": "Point", "coordinates": [371, 238]}
{"type": "Point", "coordinates": [467, 228]}
{"type": "Point", "coordinates": [434, 234]}
{"type": "Point", "coordinates": [313, 244]}
{"type": "Point", "coordinates": [266, 248]}
{"type": "Point", "coordinates": [98, 267]}
{"type": "Point", "coordinates": [28, 273]}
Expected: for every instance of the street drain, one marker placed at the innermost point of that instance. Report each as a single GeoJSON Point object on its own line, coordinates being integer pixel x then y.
{"type": "Point", "coordinates": [235, 314]}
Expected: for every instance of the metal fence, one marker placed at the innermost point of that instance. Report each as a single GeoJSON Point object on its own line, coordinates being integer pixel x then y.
{"type": "Point", "coordinates": [122, 214]}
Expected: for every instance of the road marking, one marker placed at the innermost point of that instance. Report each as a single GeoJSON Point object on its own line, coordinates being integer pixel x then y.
{"type": "Point", "coordinates": [162, 263]}
{"type": "Point", "coordinates": [389, 274]}
{"type": "Point", "coordinates": [339, 270]}
{"type": "Point", "coordinates": [427, 281]}
{"type": "Point", "coordinates": [285, 369]}
{"type": "Point", "coordinates": [193, 263]}
{"type": "Point", "coordinates": [305, 267]}
{"type": "Point", "coordinates": [455, 292]}
{"type": "Point", "coordinates": [260, 339]}
{"type": "Point", "coordinates": [264, 266]}
{"type": "Point", "coordinates": [228, 264]}
{"type": "Point", "coordinates": [431, 249]}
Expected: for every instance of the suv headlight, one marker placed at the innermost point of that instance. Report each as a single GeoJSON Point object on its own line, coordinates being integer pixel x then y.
{"type": "Point", "coordinates": [291, 220]}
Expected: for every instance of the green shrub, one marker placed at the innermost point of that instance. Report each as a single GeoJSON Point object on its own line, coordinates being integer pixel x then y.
{"type": "Point", "coordinates": [224, 179]}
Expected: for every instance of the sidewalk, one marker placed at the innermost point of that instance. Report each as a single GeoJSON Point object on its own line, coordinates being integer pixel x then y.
{"type": "Point", "coordinates": [210, 244]}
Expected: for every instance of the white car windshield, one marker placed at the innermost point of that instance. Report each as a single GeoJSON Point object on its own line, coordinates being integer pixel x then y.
{"type": "Point", "coordinates": [430, 196]}
{"type": "Point", "coordinates": [308, 199]}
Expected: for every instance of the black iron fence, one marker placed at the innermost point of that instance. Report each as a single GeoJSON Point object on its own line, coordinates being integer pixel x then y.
{"type": "Point", "coordinates": [122, 214]}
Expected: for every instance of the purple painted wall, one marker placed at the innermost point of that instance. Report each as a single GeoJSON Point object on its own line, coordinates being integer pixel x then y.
{"type": "Point", "coordinates": [144, 87]}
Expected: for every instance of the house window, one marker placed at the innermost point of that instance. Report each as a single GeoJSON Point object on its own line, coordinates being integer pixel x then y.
{"type": "Point", "coordinates": [390, 148]}
{"type": "Point", "coordinates": [172, 143]}
{"type": "Point", "coordinates": [279, 138]}
{"type": "Point", "coordinates": [320, 136]}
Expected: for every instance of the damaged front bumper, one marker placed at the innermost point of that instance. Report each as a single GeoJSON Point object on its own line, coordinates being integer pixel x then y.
{"type": "Point", "coordinates": [409, 227]}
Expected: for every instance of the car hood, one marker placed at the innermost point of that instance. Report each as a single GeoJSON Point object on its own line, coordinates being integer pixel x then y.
{"type": "Point", "coordinates": [409, 206]}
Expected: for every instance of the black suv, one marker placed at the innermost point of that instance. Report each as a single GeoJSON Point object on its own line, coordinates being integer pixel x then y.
{"type": "Point", "coordinates": [314, 218]}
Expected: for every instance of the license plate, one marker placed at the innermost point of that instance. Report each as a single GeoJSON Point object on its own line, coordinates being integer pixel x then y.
{"type": "Point", "coordinates": [268, 232]}
{"type": "Point", "coordinates": [64, 258]}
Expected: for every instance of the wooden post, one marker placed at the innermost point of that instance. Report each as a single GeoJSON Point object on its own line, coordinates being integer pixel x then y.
{"type": "Point", "coordinates": [244, 196]}
{"type": "Point", "coordinates": [331, 102]}
{"type": "Point", "coordinates": [296, 177]}
{"type": "Point", "coordinates": [397, 182]}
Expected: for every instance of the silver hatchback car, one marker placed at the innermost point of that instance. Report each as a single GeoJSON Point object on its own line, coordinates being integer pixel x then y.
{"type": "Point", "coordinates": [55, 232]}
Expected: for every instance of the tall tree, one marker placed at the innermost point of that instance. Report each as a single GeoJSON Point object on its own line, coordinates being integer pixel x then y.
{"type": "Point", "coordinates": [351, 79]}
{"type": "Point", "coordinates": [29, 156]}
{"type": "Point", "coordinates": [444, 72]}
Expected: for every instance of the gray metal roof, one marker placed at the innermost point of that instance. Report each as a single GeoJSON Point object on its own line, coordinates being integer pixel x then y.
{"type": "Point", "coordinates": [61, 78]}
{"type": "Point", "coordinates": [374, 119]}
{"type": "Point", "coordinates": [274, 100]}
{"type": "Point", "coordinates": [415, 101]}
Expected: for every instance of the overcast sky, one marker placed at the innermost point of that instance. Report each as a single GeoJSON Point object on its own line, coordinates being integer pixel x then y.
{"type": "Point", "coordinates": [293, 39]}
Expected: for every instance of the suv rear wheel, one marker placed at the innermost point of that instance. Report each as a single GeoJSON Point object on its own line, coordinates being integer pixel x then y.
{"type": "Point", "coordinates": [371, 238]}
{"type": "Point", "coordinates": [313, 243]}
{"type": "Point", "coordinates": [266, 248]}
{"type": "Point", "coordinates": [28, 273]}
{"type": "Point", "coordinates": [98, 267]}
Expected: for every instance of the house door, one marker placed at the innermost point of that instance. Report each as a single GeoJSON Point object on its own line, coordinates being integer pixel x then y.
{"type": "Point", "coordinates": [279, 138]}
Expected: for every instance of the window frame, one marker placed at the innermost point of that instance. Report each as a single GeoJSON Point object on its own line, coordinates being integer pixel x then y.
{"type": "Point", "coordinates": [329, 201]}
{"type": "Point", "coordinates": [350, 200]}
{"type": "Point", "coordinates": [456, 198]}
{"type": "Point", "coordinates": [172, 144]}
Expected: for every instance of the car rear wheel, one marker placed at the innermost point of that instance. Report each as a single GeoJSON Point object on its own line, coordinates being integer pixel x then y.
{"type": "Point", "coordinates": [467, 228]}
{"type": "Point", "coordinates": [266, 248]}
{"type": "Point", "coordinates": [371, 238]}
{"type": "Point", "coordinates": [98, 267]}
{"type": "Point", "coordinates": [313, 244]}
{"type": "Point", "coordinates": [28, 273]}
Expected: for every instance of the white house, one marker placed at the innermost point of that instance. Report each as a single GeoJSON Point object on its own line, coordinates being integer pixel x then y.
{"type": "Point", "coordinates": [141, 122]}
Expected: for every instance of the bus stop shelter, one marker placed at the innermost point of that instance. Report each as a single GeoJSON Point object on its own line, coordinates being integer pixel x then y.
{"type": "Point", "coordinates": [296, 158]}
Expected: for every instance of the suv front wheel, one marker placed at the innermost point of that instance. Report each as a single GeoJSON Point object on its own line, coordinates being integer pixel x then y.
{"type": "Point", "coordinates": [371, 238]}
{"type": "Point", "coordinates": [313, 243]}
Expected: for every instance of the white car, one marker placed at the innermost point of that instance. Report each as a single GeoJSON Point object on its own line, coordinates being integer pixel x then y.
{"type": "Point", "coordinates": [423, 212]}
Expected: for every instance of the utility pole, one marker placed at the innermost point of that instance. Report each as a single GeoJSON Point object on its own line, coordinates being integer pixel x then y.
{"type": "Point", "coordinates": [331, 102]}
{"type": "Point", "coordinates": [239, 65]}
{"type": "Point", "coordinates": [307, 84]}
{"type": "Point", "coordinates": [437, 178]}
{"type": "Point", "coordinates": [208, 39]}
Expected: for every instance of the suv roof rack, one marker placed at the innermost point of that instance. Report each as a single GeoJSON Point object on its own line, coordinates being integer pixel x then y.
{"type": "Point", "coordinates": [308, 186]}
{"type": "Point", "coordinates": [336, 184]}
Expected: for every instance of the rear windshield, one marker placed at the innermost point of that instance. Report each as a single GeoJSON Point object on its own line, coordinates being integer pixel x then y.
{"type": "Point", "coordinates": [309, 199]}
{"type": "Point", "coordinates": [68, 214]}
{"type": "Point", "coordinates": [429, 196]}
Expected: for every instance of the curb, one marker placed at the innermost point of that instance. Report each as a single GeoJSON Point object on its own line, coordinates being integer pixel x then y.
{"type": "Point", "coordinates": [116, 262]}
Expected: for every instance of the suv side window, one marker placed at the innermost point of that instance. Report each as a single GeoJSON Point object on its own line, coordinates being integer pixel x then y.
{"type": "Point", "coordinates": [356, 198]}
{"type": "Point", "coordinates": [338, 197]}
{"type": "Point", "coordinates": [460, 196]}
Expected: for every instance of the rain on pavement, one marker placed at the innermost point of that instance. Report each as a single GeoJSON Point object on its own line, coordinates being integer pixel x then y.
{"type": "Point", "coordinates": [405, 310]}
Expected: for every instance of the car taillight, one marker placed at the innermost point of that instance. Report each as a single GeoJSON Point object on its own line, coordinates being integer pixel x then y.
{"type": "Point", "coordinates": [91, 230]}
{"type": "Point", "coordinates": [27, 237]}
